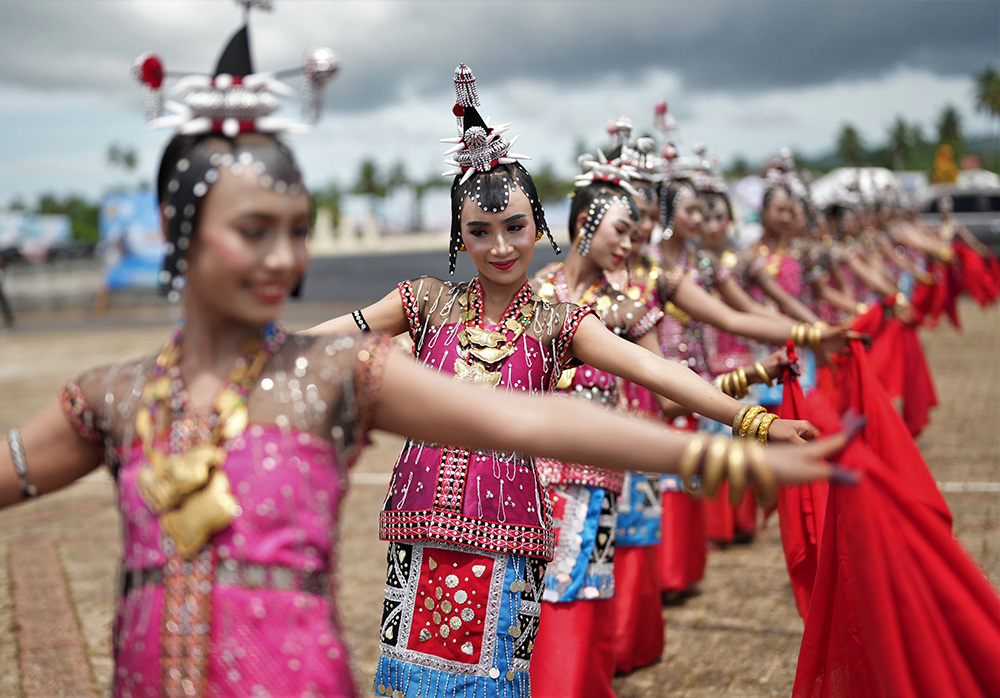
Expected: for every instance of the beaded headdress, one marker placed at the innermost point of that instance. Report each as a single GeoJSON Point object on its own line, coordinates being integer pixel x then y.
{"type": "Point", "coordinates": [232, 101]}
{"type": "Point", "coordinates": [782, 171]}
{"type": "Point", "coordinates": [615, 173]}
{"type": "Point", "coordinates": [480, 148]}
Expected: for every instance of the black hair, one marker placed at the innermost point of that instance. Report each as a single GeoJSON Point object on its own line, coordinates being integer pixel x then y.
{"type": "Point", "coordinates": [711, 197]}
{"type": "Point", "coordinates": [770, 192]}
{"type": "Point", "coordinates": [668, 200]}
{"type": "Point", "coordinates": [583, 197]}
{"type": "Point", "coordinates": [491, 191]}
{"type": "Point", "coordinates": [188, 169]}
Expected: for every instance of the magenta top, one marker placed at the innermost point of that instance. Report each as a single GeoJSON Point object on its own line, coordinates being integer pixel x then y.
{"type": "Point", "coordinates": [488, 500]}
{"type": "Point", "coordinates": [253, 613]}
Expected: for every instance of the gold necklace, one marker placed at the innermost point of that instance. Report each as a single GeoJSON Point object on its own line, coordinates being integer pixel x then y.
{"type": "Point", "coordinates": [188, 488]}
{"type": "Point", "coordinates": [486, 349]}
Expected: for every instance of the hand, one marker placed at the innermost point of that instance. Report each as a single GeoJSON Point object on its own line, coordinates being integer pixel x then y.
{"type": "Point", "coordinates": [775, 364]}
{"type": "Point", "coordinates": [833, 341]}
{"type": "Point", "coordinates": [795, 431]}
{"type": "Point", "coordinates": [791, 464]}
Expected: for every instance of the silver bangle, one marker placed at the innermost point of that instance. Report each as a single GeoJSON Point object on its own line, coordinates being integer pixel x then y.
{"type": "Point", "coordinates": [28, 491]}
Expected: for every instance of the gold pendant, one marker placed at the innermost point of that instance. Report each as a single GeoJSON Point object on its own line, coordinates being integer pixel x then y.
{"type": "Point", "coordinates": [634, 292]}
{"type": "Point", "coordinates": [512, 325]}
{"type": "Point", "coordinates": [484, 338]}
{"type": "Point", "coordinates": [547, 290]}
{"type": "Point", "coordinates": [565, 379]}
{"type": "Point", "coordinates": [475, 374]}
{"type": "Point", "coordinates": [168, 479]}
{"type": "Point", "coordinates": [491, 355]}
{"type": "Point", "coordinates": [603, 303]}
{"type": "Point", "coordinates": [202, 514]}
{"type": "Point", "coordinates": [236, 423]}
{"type": "Point", "coordinates": [675, 312]}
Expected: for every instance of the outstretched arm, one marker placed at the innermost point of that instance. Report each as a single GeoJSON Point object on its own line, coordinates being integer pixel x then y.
{"type": "Point", "coordinates": [54, 454]}
{"type": "Point", "coordinates": [704, 307]}
{"type": "Point", "coordinates": [644, 364]}
{"type": "Point", "coordinates": [739, 299]}
{"type": "Point", "coordinates": [384, 317]}
{"type": "Point", "coordinates": [789, 304]}
{"type": "Point", "coordinates": [417, 402]}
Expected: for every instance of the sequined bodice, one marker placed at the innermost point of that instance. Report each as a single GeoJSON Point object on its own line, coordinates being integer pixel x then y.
{"type": "Point", "coordinates": [253, 611]}
{"type": "Point", "coordinates": [484, 499]}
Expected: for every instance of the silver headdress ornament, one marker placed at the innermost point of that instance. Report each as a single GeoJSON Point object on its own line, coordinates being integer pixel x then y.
{"type": "Point", "coordinates": [663, 121]}
{"type": "Point", "coordinates": [620, 131]}
{"type": "Point", "coordinates": [479, 147]}
{"type": "Point", "coordinates": [640, 155]}
{"type": "Point", "coordinates": [782, 171]}
{"type": "Point", "coordinates": [704, 171]}
{"type": "Point", "coordinates": [603, 170]}
{"type": "Point", "coordinates": [235, 99]}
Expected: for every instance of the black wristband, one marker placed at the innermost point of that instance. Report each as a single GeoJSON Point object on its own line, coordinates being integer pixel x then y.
{"type": "Point", "coordinates": [359, 319]}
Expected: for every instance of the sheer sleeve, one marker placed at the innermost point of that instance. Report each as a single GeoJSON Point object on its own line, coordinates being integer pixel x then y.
{"type": "Point", "coordinates": [367, 379]}
{"type": "Point", "coordinates": [80, 416]}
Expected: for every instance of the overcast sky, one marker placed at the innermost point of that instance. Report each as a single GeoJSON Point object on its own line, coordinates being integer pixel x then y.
{"type": "Point", "coordinates": [746, 77]}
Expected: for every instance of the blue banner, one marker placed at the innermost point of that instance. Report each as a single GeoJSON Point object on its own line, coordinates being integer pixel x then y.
{"type": "Point", "coordinates": [131, 241]}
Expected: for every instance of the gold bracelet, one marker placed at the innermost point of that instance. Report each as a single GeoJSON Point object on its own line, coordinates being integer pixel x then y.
{"type": "Point", "coordinates": [748, 419]}
{"type": "Point", "coordinates": [738, 419]}
{"type": "Point", "coordinates": [755, 426]}
{"type": "Point", "coordinates": [762, 372]}
{"type": "Point", "coordinates": [815, 337]}
{"type": "Point", "coordinates": [744, 383]}
{"type": "Point", "coordinates": [715, 465]}
{"type": "Point", "coordinates": [737, 473]}
{"type": "Point", "coordinates": [727, 384]}
{"type": "Point", "coordinates": [803, 330]}
{"type": "Point", "coordinates": [765, 425]}
{"type": "Point", "coordinates": [690, 457]}
{"type": "Point", "coordinates": [767, 489]}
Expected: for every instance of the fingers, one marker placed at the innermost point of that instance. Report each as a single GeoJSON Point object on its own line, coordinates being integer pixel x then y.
{"type": "Point", "coordinates": [807, 431]}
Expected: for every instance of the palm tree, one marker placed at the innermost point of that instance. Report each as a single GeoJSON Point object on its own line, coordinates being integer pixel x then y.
{"type": "Point", "coordinates": [899, 143]}
{"type": "Point", "coordinates": [950, 129]}
{"type": "Point", "coordinates": [850, 150]}
{"type": "Point", "coordinates": [988, 101]}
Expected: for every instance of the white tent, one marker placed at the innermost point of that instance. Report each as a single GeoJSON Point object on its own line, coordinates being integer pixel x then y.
{"type": "Point", "coordinates": [870, 181]}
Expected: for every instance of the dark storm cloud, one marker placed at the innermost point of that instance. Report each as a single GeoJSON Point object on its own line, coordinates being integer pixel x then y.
{"type": "Point", "coordinates": [392, 49]}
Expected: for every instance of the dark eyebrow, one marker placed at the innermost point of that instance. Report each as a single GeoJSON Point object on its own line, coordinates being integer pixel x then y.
{"type": "Point", "coordinates": [472, 223]}
{"type": "Point", "coordinates": [505, 221]}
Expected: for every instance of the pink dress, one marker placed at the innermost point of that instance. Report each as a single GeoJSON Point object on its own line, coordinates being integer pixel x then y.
{"type": "Point", "coordinates": [253, 613]}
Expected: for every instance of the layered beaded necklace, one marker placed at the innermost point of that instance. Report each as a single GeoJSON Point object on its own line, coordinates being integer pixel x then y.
{"type": "Point", "coordinates": [185, 485]}
{"type": "Point", "coordinates": [486, 349]}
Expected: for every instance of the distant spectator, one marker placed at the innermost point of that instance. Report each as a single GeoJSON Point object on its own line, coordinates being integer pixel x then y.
{"type": "Point", "coordinates": [8, 314]}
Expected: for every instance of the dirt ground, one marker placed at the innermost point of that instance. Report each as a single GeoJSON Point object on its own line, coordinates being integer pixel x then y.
{"type": "Point", "coordinates": [738, 637]}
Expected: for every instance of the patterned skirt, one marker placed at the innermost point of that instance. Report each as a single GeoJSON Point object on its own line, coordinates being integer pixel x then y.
{"type": "Point", "coordinates": [584, 519]}
{"type": "Point", "coordinates": [457, 622]}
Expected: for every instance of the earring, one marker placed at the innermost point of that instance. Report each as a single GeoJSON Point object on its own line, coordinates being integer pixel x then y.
{"type": "Point", "coordinates": [538, 234]}
{"type": "Point", "coordinates": [461, 248]}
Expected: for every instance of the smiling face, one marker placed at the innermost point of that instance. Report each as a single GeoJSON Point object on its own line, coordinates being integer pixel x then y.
{"type": "Point", "coordinates": [612, 241]}
{"type": "Point", "coordinates": [249, 250]}
{"type": "Point", "coordinates": [649, 217]}
{"type": "Point", "coordinates": [713, 230]}
{"type": "Point", "coordinates": [778, 216]}
{"type": "Point", "coordinates": [689, 215]}
{"type": "Point", "coordinates": [500, 244]}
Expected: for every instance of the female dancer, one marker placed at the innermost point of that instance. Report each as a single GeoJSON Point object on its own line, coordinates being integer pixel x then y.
{"type": "Point", "coordinates": [229, 448]}
{"type": "Point", "coordinates": [480, 505]}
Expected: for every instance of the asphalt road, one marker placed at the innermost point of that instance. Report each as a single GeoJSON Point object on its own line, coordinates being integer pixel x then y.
{"type": "Point", "coordinates": [362, 279]}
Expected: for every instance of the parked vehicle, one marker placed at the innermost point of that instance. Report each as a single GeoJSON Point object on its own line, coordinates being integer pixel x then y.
{"type": "Point", "coordinates": [978, 209]}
